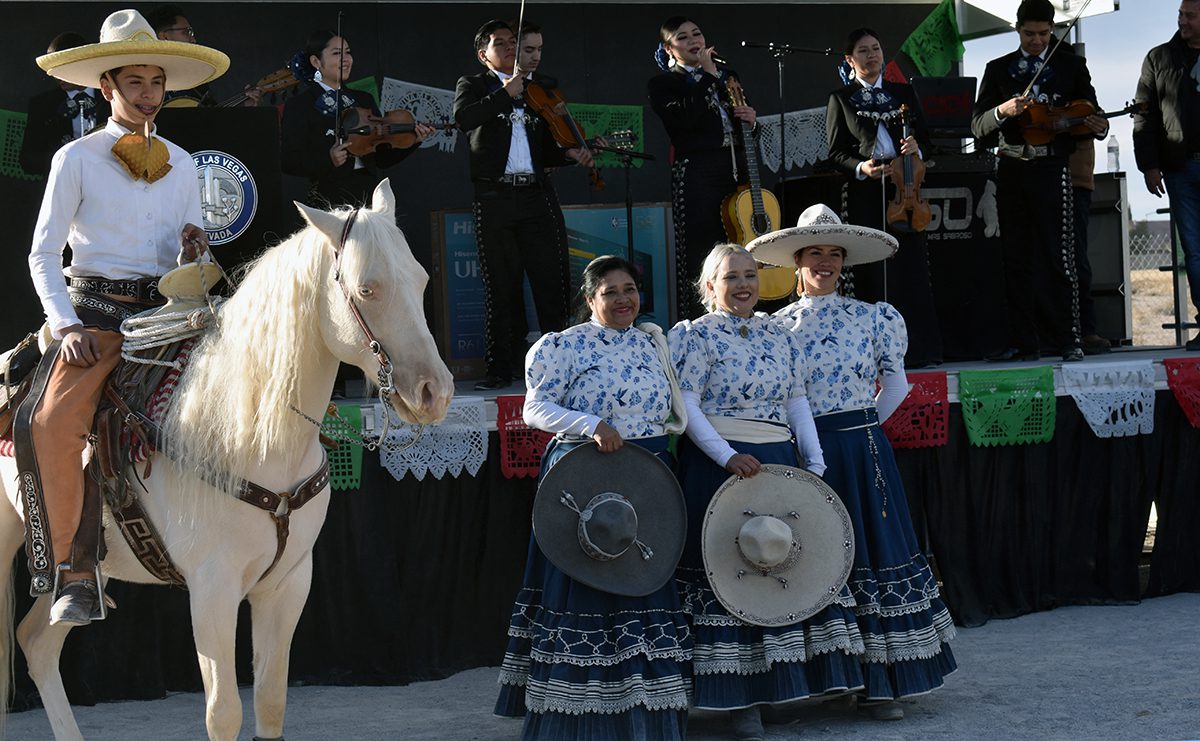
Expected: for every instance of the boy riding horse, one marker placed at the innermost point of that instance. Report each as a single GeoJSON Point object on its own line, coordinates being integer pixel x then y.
{"type": "Point", "coordinates": [128, 203]}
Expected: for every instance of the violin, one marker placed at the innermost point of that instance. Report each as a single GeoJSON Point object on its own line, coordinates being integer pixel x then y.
{"type": "Point", "coordinates": [552, 107]}
{"type": "Point", "coordinates": [908, 211]}
{"type": "Point", "coordinates": [1042, 123]}
{"type": "Point", "coordinates": [365, 131]}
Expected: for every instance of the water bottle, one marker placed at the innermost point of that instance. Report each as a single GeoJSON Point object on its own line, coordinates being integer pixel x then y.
{"type": "Point", "coordinates": [1114, 154]}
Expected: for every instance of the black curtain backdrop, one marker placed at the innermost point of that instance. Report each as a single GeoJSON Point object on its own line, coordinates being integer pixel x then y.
{"type": "Point", "coordinates": [415, 580]}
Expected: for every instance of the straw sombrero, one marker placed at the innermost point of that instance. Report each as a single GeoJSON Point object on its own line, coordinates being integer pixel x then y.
{"type": "Point", "coordinates": [819, 225]}
{"type": "Point", "coordinates": [613, 521]}
{"type": "Point", "coordinates": [778, 547]}
{"type": "Point", "coordinates": [127, 39]}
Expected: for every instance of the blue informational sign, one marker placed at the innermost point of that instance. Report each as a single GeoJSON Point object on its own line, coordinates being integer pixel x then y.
{"type": "Point", "coordinates": [591, 232]}
{"type": "Point", "coordinates": [462, 289]}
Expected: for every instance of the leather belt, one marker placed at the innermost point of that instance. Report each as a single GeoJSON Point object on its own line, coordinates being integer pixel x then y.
{"type": "Point", "coordinates": [515, 179]}
{"type": "Point", "coordinates": [142, 289]}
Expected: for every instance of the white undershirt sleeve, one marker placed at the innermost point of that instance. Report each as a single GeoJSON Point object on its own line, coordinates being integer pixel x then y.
{"type": "Point", "coordinates": [548, 416]}
{"type": "Point", "coordinates": [800, 419]}
{"type": "Point", "coordinates": [893, 387]}
{"type": "Point", "coordinates": [701, 432]}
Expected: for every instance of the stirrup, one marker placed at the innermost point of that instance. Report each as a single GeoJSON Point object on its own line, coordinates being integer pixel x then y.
{"type": "Point", "coordinates": [103, 602]}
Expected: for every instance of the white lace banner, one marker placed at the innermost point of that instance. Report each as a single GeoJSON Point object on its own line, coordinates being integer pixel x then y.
{"type": "Point", "coordinates": [430, 105]}
{"type": "Point", "coordinates": [804, 138]}
{"type": "Point", "coordinates": [457, 442]}
{"type": "Point", "coordinates": [1116, 399]}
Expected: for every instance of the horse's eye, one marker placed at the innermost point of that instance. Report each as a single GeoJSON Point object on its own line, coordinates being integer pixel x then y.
{"type": "Point", "coordinates": [366, 291]}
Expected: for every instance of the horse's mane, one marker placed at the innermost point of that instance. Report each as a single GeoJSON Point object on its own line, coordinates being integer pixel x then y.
{"type": "Point", "coordinates": [232, 407]}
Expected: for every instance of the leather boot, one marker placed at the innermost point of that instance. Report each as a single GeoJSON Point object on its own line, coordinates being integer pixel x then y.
{"type": "Point", "coordinates": [79, 598]}
{"type": "Point", "coordinates": [78, 603]}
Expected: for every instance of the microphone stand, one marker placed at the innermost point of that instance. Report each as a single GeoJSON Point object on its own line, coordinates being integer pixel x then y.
{"type": "Point", "coordinates": [780, 52]}
{"type": "Point", "coordinates": [627, 157]}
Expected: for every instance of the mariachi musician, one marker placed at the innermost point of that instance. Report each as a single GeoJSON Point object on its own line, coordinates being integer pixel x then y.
{"type": "Point", "coordinates": [707, 152]}
{"type": "Point", "coordinates": [865, 134]}
{"type": "Point", "coordinates": [1034, 194]}
{"type": "Point", "coordinates": [517, 222]}
{"type": "Point", "coordinates": [311, 146]}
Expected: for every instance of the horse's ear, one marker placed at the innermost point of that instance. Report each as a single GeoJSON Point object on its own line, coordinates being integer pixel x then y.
{"type": "Point", "coordinates": [383, 200]}
{"type": "Point", "coordinates": [325, 222]}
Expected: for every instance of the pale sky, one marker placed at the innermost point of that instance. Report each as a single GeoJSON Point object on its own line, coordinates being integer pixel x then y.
{"type": "Point", "coordinates": [1116, 45]}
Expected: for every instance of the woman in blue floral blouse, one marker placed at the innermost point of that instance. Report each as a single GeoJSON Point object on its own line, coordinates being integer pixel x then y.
{"type": "Point", "coordinates": [743, 382]}
{"type": "Point", "coordinates": [582, 663]}
{"type": "Point", "coordinates": [849, 346]}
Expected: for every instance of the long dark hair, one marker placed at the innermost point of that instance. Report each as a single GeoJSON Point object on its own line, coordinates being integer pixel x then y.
{"type": "Point", "coordinates": [593, 274]}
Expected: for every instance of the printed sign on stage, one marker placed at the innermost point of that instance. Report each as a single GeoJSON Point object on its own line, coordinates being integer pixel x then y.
{"type": "Point", "coordinates": [591, 231]}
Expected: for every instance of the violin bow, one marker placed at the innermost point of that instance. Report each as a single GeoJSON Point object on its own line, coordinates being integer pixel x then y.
{"type": "Point", "coordinates": [520, 24]}
{"type": "Point", "coordinates": [337, 104]}
{"type": "Point", "coordinates": [1057, 44]}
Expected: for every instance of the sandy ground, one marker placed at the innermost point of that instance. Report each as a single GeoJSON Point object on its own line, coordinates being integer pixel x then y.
{"type": "Point", "coordinates": [1122, 672]}
{"type": "Point", "coordinates": [1153, 304]}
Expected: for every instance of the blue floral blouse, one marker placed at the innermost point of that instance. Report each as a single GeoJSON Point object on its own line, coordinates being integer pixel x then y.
{"type": "Point", "coordinates": [612, 374]}
{"type": "Point", "coordinates": [747, 376]}
{"type": "Point", "coordinates": [849, 344]}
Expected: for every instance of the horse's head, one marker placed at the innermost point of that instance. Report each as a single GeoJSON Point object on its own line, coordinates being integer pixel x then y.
{"type": "Point", "coordinates": [373, 274]}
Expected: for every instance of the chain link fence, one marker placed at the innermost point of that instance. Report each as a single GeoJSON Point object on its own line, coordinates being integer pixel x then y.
{"type": "Point", "coordinates": [1149, 251]}
{"type": "Point", "coordinates": [1151, 297]}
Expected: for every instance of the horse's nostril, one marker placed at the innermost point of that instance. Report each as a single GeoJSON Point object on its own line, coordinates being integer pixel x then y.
{"type": "Point", "coordinates": [427, 396]}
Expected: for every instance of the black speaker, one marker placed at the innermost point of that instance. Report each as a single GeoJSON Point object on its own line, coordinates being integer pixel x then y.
{"type": "Point", "coordinates": [1108, 254]}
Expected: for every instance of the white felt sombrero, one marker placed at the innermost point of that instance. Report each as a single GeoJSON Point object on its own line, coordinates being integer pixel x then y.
{"type": "Point", "coordinates": [127, 39]}
{"type": "Point", "coordinates": [819, 225]}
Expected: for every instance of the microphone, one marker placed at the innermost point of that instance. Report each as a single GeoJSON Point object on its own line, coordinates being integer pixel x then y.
{"type": "Point", "coordinates": [717, 58]}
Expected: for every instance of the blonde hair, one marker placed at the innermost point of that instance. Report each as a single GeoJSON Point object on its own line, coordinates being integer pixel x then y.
{"type": "Point", "coordinates": [708, 272]}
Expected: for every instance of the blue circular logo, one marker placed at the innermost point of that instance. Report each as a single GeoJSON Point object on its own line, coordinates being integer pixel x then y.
{"type": "Point", "coordinates": [228, 195]}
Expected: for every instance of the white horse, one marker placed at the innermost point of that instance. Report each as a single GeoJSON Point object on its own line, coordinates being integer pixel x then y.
{"type": "Point", "coordinates": [277, 345]}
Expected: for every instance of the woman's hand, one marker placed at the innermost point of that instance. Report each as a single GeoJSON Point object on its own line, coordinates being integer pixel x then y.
{"type": "Point", "coordinates": [607, 439]}
{"type": "Point", "coordinates": [423, 131]}
{"type": "Point", "coordinates": [743, 464]}
{"type": "Point", "coordinates": [909, 146]}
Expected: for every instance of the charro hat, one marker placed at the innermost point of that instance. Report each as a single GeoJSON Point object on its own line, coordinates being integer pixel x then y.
{"type": "Point", "coordinates": [819, 225]}
{"type": "Point", "coordinates": [127, 39]}
{"type": "Point", "coordinates": [613, 521]}
{"type": "Point", "coordinates": [778, 547]}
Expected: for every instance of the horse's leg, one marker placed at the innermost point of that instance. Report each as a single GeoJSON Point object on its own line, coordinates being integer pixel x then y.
{"type": "Point", "coordinates": [214, 605]}
{"type": "Point", "coordinates": [42, 644]}
{"type": "Point", "coordinates": [274, 614]}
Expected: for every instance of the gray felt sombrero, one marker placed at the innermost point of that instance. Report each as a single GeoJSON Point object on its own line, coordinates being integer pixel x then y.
{"type": "Point", "coordinates": [613, 521]}
{"type": "Point", "coordinates": [819, 225]}
{"type": "Point", "coordinates": [127, 39]}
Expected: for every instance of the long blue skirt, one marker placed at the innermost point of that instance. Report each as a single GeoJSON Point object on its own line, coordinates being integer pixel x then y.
{"type": "Point", "coordinates": [904, 624]}
{"type": "Point", "coordinates": [586, 664]}
{"type": "Point", "coordinates": [736, 664]}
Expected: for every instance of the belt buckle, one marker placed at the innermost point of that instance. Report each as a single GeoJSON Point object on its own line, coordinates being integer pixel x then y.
{"type": "Point", "coordinates": [523, 178]}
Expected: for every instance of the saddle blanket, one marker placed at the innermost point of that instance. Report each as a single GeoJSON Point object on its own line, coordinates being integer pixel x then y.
{"type": "Point", "coordinates": [156, 408]}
